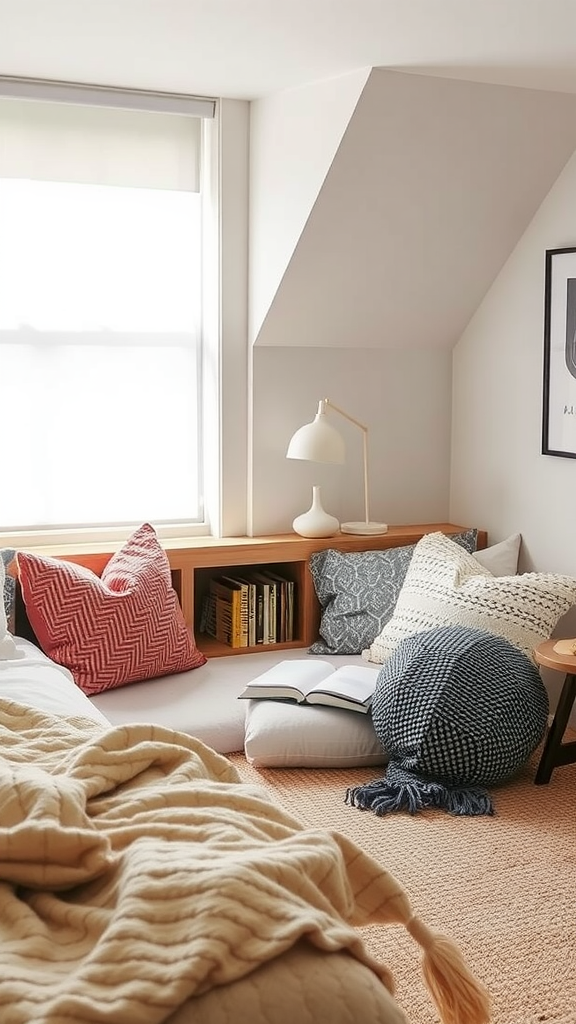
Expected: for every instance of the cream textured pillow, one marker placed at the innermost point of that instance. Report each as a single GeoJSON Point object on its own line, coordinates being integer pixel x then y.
{"type": "Point", "coordinates": [446, 586]}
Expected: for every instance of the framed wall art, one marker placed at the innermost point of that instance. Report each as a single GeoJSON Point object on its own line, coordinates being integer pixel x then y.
{"type": "Point", "coordinates": [559, 398]}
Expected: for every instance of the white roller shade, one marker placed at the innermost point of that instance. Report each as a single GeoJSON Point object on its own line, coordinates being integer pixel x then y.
{"type": "Point", "coordinates": [99, 145]}
{"type": "Point", "coordinates": [106, 96]}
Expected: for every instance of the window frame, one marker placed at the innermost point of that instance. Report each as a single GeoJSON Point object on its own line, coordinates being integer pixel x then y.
{"type": "Point", "coordinates": [224, 347]}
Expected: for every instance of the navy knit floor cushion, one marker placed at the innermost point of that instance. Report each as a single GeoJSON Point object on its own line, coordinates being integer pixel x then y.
{"type": "Point", "coordinates": [457, 710]}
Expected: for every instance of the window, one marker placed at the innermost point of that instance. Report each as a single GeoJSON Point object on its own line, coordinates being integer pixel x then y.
{"type": "Point", "coordinates": [102, 238]}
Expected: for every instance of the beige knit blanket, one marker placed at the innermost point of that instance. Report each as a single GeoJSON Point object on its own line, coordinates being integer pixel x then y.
{"type": "Point", "coordinates": [136, 870]}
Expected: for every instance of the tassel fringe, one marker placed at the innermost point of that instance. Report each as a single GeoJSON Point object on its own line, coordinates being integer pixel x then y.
{"type": "Point", "coordinates": [459, 997]}
{"type": "Point", "coordinates": [406, 792]}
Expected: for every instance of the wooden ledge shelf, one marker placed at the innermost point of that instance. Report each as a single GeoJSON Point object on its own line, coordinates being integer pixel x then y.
{"type": "Point", "coordinates": [194, 561]}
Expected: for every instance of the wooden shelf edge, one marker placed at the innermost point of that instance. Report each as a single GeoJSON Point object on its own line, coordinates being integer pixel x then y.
{"type": "Point", "coordinates": [199, 551]}
{"type": "Point", "coordinates": [213, 649]}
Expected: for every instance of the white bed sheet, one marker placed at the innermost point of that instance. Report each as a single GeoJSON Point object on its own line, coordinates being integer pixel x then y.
{"type": "Point", "coordinates": [33, 678]}
{"type": "Point", "coordinates": [203, 703]}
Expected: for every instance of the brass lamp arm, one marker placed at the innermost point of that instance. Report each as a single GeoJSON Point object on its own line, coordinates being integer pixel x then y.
{"type": "Point", "coordinates": [326, 402]}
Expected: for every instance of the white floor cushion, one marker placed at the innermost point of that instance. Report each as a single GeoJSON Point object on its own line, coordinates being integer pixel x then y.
{"type": "Point", "coordinates": [280, 735]}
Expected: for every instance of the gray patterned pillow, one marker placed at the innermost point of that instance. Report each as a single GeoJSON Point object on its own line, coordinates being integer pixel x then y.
{"type": "Point", "coordinates": [357, 592]}
{"type": "Point", "coordinates": [8, 559]}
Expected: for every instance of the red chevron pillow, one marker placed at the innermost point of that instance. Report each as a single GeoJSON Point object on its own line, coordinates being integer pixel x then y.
{"type": "Point", "coordinates": [119, 628]}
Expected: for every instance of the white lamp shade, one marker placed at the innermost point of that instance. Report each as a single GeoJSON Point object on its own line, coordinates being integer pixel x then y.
{"type": "Point", "coordinates": [317, 442]}
{"type": "Point", "coordinates": [320, 442]}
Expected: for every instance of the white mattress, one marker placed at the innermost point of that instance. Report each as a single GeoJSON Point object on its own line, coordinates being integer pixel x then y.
{"type": "Point", "coordinates": [32, 678]}
{"type": "Point", "coordinates": [203, 703]}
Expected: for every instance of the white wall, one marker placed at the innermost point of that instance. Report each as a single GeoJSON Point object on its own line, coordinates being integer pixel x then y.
{"type": "Point", "coordinates": [498, 475]}
{"type": "Point", "coordinates": [499, 479]}
{"type": "Point", "coordinates": [293, 138]}
{"type": "Point", "coordinates": [340, 215]}
{"type": "Point", "coordinates": [403, 398]}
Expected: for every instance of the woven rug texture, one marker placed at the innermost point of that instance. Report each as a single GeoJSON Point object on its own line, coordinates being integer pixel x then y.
{"type": "Point", "coordinates": [503, 887]}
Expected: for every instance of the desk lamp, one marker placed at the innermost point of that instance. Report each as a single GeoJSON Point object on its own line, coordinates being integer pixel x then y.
{"type": "Point", "coordinates": [319, 441]}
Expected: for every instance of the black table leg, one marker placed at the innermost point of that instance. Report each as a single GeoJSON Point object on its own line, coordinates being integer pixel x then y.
{"type": "Point", "coordinates": [555, 752]}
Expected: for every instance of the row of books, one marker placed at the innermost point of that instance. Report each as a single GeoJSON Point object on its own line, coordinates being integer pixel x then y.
{"type": "Point", "coordinates": [249, 609]}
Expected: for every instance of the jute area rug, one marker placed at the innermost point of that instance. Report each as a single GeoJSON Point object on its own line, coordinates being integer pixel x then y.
{"type": "Point", "coordinates": [503, 887]}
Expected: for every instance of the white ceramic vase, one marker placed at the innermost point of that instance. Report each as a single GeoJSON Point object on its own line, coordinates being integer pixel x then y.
{"type": "Point", "coordinates": [316, 522]}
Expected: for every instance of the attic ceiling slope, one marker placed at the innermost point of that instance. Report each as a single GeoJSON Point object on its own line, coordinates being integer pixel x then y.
{"type": "Point", "coordinates": [284, 186]}
{"type": "Point", "coordinates": [432, 186]}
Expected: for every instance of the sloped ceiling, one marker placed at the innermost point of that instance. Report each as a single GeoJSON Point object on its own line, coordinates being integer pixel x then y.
{"type": "Point", "coordinates": [293, 140]}
{"type": "Point", "coordinates": [432, 186]}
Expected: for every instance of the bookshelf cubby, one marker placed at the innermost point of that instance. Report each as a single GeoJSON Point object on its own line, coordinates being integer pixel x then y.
{"type": "Point", "coordinates": [196, 560]}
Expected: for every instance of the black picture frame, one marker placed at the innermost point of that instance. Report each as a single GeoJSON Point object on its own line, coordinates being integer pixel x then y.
{"type": "Point", "coordinates": [559, 374]}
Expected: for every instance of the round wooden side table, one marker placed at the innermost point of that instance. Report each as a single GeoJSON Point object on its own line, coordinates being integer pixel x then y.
{"type": "Point", "coordinates": [555, 752]}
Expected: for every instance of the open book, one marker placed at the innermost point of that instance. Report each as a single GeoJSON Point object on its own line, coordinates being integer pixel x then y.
{"type": "Point", "coordinates": [309, 681]}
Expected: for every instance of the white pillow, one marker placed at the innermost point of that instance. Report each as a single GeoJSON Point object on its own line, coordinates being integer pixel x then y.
{"type": "Point", "coordinates": [446, 586]}
{"type": "Point", "coordinates": [281, 735]}
{"type": "Point", "coordinates": [501, 559]}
